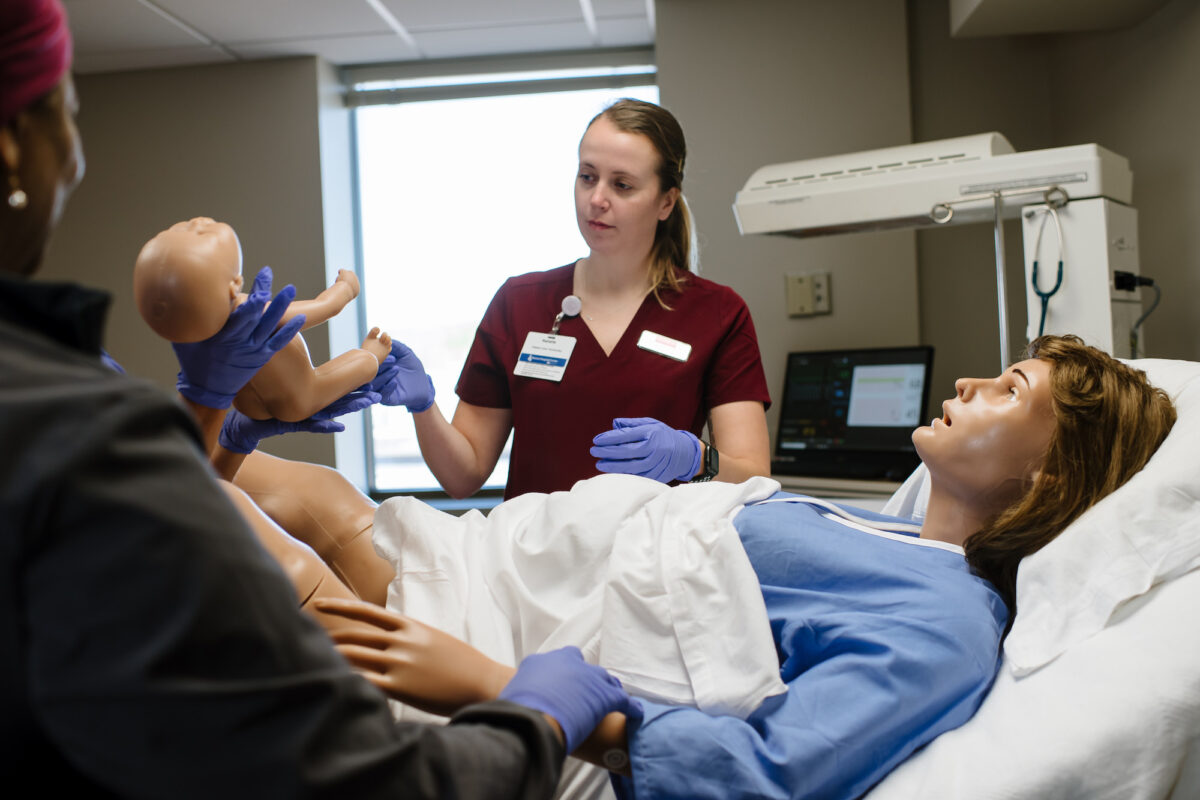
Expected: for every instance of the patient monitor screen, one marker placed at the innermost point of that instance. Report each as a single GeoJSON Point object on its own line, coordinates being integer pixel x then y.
{"type": "Point", "coordinates": [864, 402]}
{"type": "Point", "coordinates": [885, 395]}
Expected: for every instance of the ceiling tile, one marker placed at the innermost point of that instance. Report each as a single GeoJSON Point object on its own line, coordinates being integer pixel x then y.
{"type": "Point", "coordinates": [619, 8]}
{"type": "Point", "coordinates": [334, 49]}
{"type": "Point", "coordinates": [463, 42]}
{"type": "Point", "coordinates": [264, 20]}
{"type": "Point", "coordinates": [419, 15]}
{"type": "Point", "coordinates": [624, 31]}
{"type": "Point", "coordinates": [105, 26]}
{"type": "Point", "coordinates": [128, 34]}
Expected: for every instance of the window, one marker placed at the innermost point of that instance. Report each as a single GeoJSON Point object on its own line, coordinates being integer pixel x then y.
{"type": "Point", "coordinates": [456, 195]}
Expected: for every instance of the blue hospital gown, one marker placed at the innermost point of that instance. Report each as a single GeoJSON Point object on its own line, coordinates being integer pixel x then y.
{"type": "Point", "coordinates": [884, 644]}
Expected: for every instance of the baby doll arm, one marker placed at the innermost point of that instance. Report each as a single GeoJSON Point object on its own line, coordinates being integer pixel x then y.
{"type": "Point", "coordinates": [329, 303]}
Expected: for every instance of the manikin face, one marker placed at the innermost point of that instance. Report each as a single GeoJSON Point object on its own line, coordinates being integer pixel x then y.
{"type": "Point", "coordinates": [992, 436]}
{"type": "Point", "coordinates": [618, 196]}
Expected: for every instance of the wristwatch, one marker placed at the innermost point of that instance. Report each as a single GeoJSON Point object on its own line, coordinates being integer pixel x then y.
{"type": "Point", "coordinates": [712, 464]}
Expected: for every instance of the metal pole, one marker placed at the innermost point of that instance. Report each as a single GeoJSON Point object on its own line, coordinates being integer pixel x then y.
{"type": "Point", "coordinates": [1001, 291]}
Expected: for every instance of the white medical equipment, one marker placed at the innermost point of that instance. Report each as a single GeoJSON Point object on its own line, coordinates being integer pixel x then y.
{"type": "Point", "coordinates": [978, 179]}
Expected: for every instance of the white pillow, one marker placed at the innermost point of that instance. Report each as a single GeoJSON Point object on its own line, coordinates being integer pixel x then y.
{"type": "Point", "coordinates": [1145, 532]}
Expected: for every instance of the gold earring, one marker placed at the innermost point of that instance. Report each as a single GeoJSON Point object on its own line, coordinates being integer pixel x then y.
{"type": "Point", "coordinates": [17, 199]}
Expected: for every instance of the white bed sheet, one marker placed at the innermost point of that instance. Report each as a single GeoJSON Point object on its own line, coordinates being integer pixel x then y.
{"type": "Point", "coordinates": [638, 557]}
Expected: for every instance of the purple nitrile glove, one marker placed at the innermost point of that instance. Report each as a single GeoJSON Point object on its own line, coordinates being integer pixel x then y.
{"type": "Point", "coordinates": [241, 434]}
{"type": "Point", "coordinates": [644, 446]}
{"type": "Point", "coordinates": [110, 362]}
{"type": "Point", "coordinates": [403, 381]}
{"type": "Point", "coordinates": [211, 372]}
{"type": "Point", "coordinates": [577, 694]}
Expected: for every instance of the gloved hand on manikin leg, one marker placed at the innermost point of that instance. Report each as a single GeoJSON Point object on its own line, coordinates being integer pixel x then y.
{"type": "Point", "coordinates": [576, 694]}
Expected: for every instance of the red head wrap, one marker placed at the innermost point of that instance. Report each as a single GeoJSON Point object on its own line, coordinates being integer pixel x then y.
{"type": "Point", "coordinates": [35, 52]}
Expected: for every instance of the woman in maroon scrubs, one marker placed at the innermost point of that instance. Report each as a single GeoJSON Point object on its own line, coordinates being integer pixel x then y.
{"type": "Point", "coordinates": [623, 375]}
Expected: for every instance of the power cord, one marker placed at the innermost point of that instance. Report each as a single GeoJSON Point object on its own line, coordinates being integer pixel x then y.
{"type": "Point", "coordinates": [1127, 282]}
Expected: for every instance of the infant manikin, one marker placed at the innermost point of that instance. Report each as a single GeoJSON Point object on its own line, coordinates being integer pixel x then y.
{"type": "Point", "coordinates": [188, 279]}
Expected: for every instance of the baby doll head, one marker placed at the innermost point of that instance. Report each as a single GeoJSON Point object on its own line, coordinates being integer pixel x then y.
{"type": "Point", "coordinates": [186, 279]}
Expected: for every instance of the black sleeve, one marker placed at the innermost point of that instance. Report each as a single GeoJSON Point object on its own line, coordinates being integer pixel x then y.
{"type": "Point", "coordinates": [168, 654]}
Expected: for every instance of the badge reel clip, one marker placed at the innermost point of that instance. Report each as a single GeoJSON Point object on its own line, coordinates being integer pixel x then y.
{"type": "Point", "coordinates": [571, 306]}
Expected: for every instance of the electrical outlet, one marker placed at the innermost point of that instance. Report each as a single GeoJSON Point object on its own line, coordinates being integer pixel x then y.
{"type": "Point", "coordinates": [820, 291]}
{"type": "Point", "coordinates": [807, 294]}
{"type": "Point", "coordinates": [799, 295]}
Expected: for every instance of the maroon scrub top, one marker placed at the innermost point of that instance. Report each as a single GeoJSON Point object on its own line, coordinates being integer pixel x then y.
{"type": "Point", "coordinates": [554, 423]}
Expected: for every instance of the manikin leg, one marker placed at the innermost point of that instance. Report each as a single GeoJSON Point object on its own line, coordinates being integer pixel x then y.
{"type": "Point", "coordinates": [310, 576]}
{"type": "Point", "coordinates": [318, 506]}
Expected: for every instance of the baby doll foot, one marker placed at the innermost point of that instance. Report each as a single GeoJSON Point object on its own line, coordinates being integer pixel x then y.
{"type": "Point", "coordinates": [349, 280]}
{"type": "Point", "coordinates": [378, 344]}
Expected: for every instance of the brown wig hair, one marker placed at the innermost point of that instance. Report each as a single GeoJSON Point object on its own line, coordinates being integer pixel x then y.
{"type": "Point", "coordinates": [673, 238]}
{"type": "Point", "coordinates": [1110, 420]}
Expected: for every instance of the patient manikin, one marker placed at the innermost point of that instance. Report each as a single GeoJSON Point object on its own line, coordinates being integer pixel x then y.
{"type": "Point", "coordinates": [188, 278]}
{"type": "Point", "coordinates": [913, 658]}
{"type": "Point", "coordinates": [983, 454]}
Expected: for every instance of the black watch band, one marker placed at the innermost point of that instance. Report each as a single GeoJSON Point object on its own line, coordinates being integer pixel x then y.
{"type": "Point", "coordinates": [712, 464]}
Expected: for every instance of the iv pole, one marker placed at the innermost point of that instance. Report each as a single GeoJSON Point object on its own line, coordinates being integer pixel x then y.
{"type": "Point", "coordinates": [943, 212]}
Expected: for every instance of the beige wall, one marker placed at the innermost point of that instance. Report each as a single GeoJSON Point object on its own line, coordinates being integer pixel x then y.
{"type": "Point", "coordinates": [962, 87]}
{"type": "Point", "coordinates": [756, 83]}
{"type": "Point", "coordinates": [1137, 92]}
{"type": "Point", "coordinates": [1132, 91]}
{"type": "Point", "coordinates": [762, 82]}
{"type": "Point", "coordinates": [238, 143]}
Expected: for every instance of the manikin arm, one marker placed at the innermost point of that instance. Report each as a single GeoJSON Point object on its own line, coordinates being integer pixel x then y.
{"type": "Point", "coordinates": [433, 671]}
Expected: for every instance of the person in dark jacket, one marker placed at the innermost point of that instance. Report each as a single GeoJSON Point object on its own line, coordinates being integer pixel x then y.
{"type": "Point", "coordinates": [149, 646]}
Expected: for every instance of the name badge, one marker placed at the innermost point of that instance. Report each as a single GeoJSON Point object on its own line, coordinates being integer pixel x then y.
{"type": "Point", "coordinates": [544, 356]}
{"type": "Point", "coordinates": [664, 346]}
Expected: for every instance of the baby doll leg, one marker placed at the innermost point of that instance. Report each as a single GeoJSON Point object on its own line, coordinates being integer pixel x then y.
{"type": "Point", "coordinates": [310, 576]}
{"type": "Point", "coordinates": [289, 388]}
{"type": "Point", "coordinates": [318, 506]}
{"type": "Point", "coordinates": [350, 370]}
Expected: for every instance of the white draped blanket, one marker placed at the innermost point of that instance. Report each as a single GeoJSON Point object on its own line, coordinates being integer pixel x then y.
{"type": "Point", "coordinates": [649, 581]}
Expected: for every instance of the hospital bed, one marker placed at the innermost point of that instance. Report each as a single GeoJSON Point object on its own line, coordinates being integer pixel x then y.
{"type": "Point", "coordinates": [1098, 693]}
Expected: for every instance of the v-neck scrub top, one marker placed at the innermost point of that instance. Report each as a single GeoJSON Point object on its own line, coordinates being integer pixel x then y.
{"type": "Point", "coordinates": [554, 423]}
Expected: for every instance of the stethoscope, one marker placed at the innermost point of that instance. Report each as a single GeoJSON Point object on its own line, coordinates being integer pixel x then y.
{"type": "Point", "coordinates": [571, 306]}
{"type": "Point", "coordinates": [1048, 210]}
